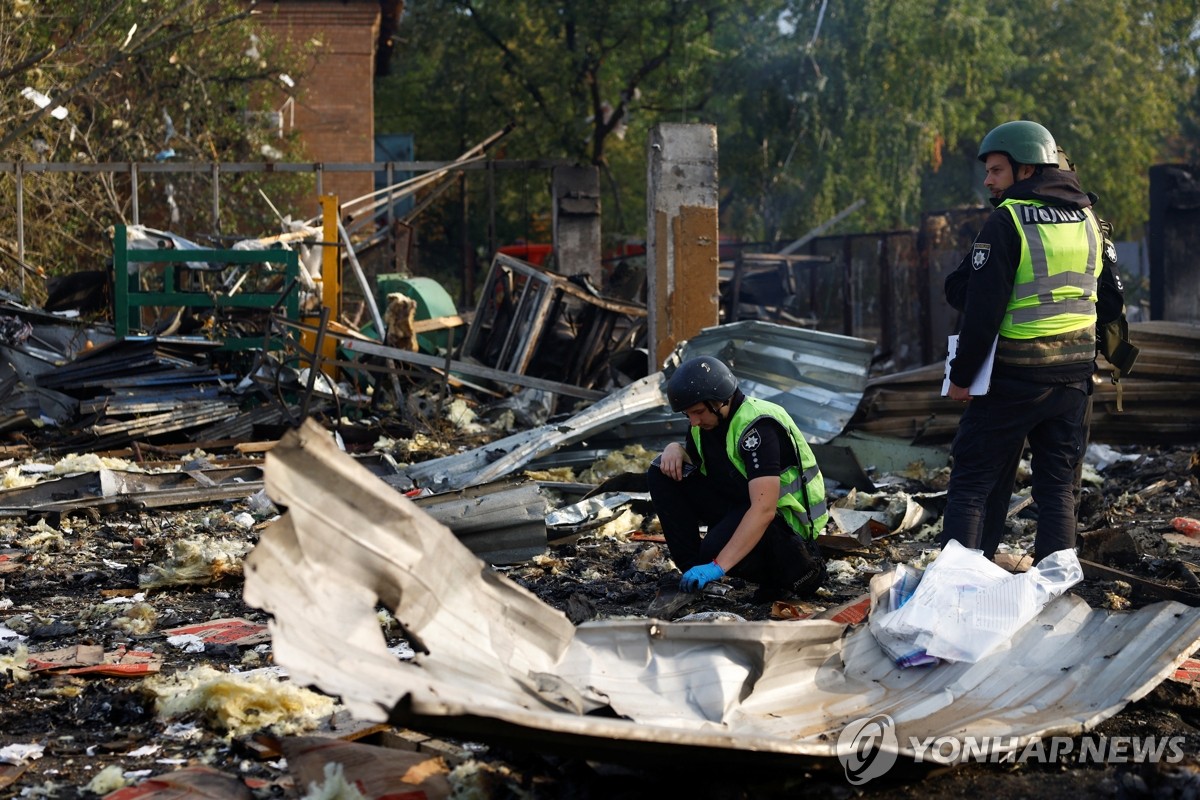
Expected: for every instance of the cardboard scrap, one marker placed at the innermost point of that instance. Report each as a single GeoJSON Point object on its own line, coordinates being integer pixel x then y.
{"type": "Point", "coordinates": [87, 659]}
{"type": "Point", "coordinates": [230, 630]}
{"type": "Point", "coordinates": [65, 658]}
{"type": "Point", "coordinates": [340, 725]}
{"type": "Point", "coordinates": [9, 773]}
{"type": "Point", "coordinates": [122, 663]}
{"type": "Point", "coordinates": [189, 783]}
{"type": "Point", "coordinates": [849, 613]}
{"type": "Point", "coordinates": [1177, 539]}
{"type": "Point", "coordinates": [786, 609]}
{"type": "Point", "coordinates": [9, 560]}
{"type": "Point", "coordinates": [111, 593]}
{"type": "Point", "coordinates": [378, 773]}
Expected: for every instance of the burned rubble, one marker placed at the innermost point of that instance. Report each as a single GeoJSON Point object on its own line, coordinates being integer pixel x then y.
{"type": "Point", "coordinates": [120, 581]}
{"type": "Point", "coordinates": [148, 638]}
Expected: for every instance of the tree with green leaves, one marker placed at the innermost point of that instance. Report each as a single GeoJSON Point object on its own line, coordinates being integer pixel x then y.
{"type": "Point", "coordinates": [1111, 79]}
{"type": "Point", "coordinates": [850, 101]}
{"type": "Point", "coordinates": [580, 80]}
{"type": "Point", "coordinates": [887, 102]}
{"type": "Point", "coordinates": [97, 81]}
{"type": "Point", "coordinates": [817, 104]}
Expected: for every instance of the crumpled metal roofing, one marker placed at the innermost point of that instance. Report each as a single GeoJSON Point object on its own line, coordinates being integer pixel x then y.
{"type": "Point", "coordinates": [818, 377]}
{"type": "Point", "coordinates": [490, 652]}
{"type": "Point", "coordinates": [499, 458]}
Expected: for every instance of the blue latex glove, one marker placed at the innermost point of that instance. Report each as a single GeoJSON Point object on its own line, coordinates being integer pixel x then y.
{"type": "Point", "coordinates": [700, 576]}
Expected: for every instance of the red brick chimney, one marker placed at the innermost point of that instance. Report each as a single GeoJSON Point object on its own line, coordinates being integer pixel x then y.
{"type": "Point", "coordinates": [334, 99]}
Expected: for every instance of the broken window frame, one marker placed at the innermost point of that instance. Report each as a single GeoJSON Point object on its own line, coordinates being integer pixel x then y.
{"type": "Point", "coordinates": [538, 300]}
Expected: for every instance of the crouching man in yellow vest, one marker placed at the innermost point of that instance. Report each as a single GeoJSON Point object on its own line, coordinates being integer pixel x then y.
{"type": "Point", "coordinates": [747, 474]}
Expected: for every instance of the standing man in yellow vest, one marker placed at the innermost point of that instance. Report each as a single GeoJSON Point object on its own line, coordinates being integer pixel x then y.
{"type": "Point", "coordinates": [745, 472]}
{"type": "Point", "coordinates": [1030, 280]}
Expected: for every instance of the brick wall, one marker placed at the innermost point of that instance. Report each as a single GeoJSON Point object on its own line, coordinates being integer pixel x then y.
{"type": "Point", "coordinates": [335, 101]}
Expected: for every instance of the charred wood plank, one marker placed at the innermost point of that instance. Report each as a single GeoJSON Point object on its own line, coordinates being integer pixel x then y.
{"type": "Point", "coordinates": [1093, 570]}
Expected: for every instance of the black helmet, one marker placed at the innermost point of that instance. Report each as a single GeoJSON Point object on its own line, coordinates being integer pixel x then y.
{"type": "Point", "coordinates": [1023, 141]}
{"type": "Point", "coordinates": [700, 380]}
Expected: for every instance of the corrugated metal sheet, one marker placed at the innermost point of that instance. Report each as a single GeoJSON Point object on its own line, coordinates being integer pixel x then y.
{"type": "Point", "coordinates": [1158, 396]}
{"type": "Point", "coordinates": [818, 377]}
{"type": "Point", "coordinates": [501, 457]}
{"type": "Point", "coordinates": [501, 523]}
{"type": "Point", "coordinates": [492, 654]}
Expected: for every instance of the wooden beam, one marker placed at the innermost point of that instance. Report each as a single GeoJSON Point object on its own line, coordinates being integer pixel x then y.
{"type": "Point", "coordinates": [1163, 592]}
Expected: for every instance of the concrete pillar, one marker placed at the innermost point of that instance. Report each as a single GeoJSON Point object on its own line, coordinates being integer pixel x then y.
{"type": "Point", "coordinates": [576, 221]}
{"type": "Point", "coordinates": [681, 235]}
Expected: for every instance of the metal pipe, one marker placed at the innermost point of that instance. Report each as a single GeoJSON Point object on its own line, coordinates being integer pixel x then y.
{"type": "Point", "coordinates": [133, 191]}
{"type": "Point", "coordinates": [314, 368]}
{"type": "Point", "coordinates": [216, 197]}
{"type": "Point", "coordinates": [369, 295]}
{"type": "Point", "coordinates": [491, 190]}
{"type": "Point", "coordinates": [390, 177]}
{"type": "Point", "coordinates": [391, 203]}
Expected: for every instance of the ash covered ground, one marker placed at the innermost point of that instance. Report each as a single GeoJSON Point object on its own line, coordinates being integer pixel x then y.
{"type": "Point", "coordinates": [119, 580]}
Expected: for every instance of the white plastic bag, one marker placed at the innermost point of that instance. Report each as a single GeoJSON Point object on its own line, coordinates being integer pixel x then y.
{"type": "Point", "coordinates": [965, 606]}
{"type": "Point", "coordinates": [890, 591]}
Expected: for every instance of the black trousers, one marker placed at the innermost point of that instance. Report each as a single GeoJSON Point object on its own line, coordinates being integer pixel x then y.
{"type": "Point", "coordinates": [779, 559]}
{"type": "Point", "coordinates": [987, 449]}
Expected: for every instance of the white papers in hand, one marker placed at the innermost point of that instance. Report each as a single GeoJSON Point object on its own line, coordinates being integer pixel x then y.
{"type": "Point", "coordinates": [983, 379]}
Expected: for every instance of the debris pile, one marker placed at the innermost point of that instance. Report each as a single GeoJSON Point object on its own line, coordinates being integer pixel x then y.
{"type": "Point", "coordinates": [342, 558]}
{"type": "Point", "coordinates": [91, 618]}
{"type": "Point", "coordinates": [1151, 405]}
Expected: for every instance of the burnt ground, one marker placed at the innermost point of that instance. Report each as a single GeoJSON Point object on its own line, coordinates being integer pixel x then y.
{"type": "Point", "coordinates": [56, 581]}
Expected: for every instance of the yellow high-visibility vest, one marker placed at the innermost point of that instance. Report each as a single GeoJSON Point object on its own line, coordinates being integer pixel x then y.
{"type": "Point", "coordinates": [801, 489]}
{"type": "Point", "coordinates": [1055, 289]}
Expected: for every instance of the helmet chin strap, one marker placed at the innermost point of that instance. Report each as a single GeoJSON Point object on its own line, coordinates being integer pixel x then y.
{"type": "Point", "coordinates": [714, 406]}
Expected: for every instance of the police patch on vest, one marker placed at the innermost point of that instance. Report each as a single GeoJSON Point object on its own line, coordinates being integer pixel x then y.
{"type": "Point", "coordinates": [751, 440]}
{"type": "Point", "coordinates": [979, 255]}
{"type": "Point", "coordinates": [1110, 252]}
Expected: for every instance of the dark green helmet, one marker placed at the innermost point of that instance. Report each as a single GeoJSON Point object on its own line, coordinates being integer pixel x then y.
{"type": "Point", "coordinates": [1023, 141]}
{"type": "Point", "coordinates": [703, 379]}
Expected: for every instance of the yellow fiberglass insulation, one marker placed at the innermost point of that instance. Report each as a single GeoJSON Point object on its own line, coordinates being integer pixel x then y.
{"type": "Point", "coordinates": [197, 560]}
{"type": "Point", "coordinates": [239, 703]}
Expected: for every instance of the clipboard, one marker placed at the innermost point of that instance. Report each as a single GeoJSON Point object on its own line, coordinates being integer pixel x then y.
{"type": "Point", "coordinates": [983, 379]}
